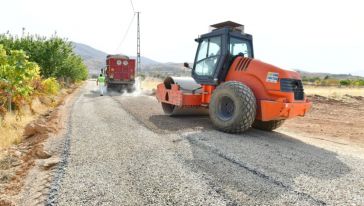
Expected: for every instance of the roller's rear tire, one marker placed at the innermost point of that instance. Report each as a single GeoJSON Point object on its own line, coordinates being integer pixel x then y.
{"type": "Point", "coordinates": [168, 108]}
{"type": "Point", "coordinates": [232, 107]}
{"type": "Point", "coordinates": [267, 125]}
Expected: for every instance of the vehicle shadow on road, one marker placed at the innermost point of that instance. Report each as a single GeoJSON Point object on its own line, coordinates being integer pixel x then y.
{"type": "Point", "coordinates": [264, 164]}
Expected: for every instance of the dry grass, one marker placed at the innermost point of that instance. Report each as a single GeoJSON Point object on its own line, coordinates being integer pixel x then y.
{"type": "Point", "coordinates": [11, 128]}
{"type": "Point", "coordinates": [150, 83]}
{"type": "Point", "coordinates": [334, 92]}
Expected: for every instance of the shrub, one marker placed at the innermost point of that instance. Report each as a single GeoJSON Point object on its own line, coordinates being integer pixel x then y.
{"type": "Point", "coordinates": [50, 86]}
{"type": "Point", "coordinates": [345, 82]}
{"type": "Point", "coordinates": [4, 93]}
{"type": "Point", "coordinates": [142, 76]}
{"type": "Point", "coordinates": [359, 82]}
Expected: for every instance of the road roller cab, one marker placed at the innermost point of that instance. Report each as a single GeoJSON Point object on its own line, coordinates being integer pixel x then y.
{"type": "Point", "coordinates": [238, 90]}
{"type": "Point", "coordinates": [217, 49]}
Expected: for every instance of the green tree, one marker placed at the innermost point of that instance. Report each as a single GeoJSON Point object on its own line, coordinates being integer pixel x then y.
{"type": "Point", "coordinates": [54, 55]}
{"type": "Point", "coordinates": [17, 75]}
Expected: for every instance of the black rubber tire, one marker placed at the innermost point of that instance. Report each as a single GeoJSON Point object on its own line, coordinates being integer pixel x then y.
{"type": "Point", "coordinates": [232, 107]}
{"type": "Point", "coordinates": [268, 125]}
{"type": "Point", "coordinates": [120, 88]}
{"type": "Point", "coordinates": [130, 88]}
{"type": "Point", "coordinates": [168, 108]}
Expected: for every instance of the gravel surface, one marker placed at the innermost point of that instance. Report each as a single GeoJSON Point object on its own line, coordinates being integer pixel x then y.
{"type": "Point", "coordinates": [124, 151]}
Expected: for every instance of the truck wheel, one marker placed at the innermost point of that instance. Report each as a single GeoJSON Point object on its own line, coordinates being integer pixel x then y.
{"type": "Point", "coordinates": [232, 107]}
{"type": "Point", "coordinates": [130, 89]}
{"type": "Point", "coordinates": [120, 88]}
{"type": "Point", "coordinates": [267, 125]}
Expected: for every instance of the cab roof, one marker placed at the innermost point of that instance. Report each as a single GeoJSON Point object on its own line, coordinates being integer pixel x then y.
{"type": "Point", "coordinates": [229, 24]}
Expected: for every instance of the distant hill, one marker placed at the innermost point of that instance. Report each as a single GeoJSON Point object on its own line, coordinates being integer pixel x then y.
{"type": "Point", "coordinates": [87, 52]}
{"type": "Point", "coordinates": [145, 61]}
{"type": "Point", "coordinates": [331, 76]}
{"type": "Point", "coordinates": [95, 59]}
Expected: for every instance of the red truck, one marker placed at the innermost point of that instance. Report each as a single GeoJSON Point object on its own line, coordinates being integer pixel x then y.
{"type": "Point", "coordinates": [120, 72]}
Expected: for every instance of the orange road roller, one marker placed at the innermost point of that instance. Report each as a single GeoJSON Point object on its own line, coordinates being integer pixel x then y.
{"type": "Point", "coordinates": [235, 89]}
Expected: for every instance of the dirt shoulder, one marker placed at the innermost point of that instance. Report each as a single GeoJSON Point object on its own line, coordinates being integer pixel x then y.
{"type": "Point", "coordinates": [17, 161]}
{"type": "Point", "coordinates": [339, 121]}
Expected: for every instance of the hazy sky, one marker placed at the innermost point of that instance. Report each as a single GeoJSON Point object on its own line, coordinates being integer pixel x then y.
{"type": "Point", "coordinates": [313, 35]}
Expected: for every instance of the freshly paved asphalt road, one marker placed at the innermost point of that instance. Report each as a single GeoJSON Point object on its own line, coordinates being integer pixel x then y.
{"type": "Point", "coordinates": [124, 151]}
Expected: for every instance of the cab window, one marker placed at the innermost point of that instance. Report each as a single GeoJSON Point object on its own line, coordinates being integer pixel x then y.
{"type": "Point", "coordinates": [239, 46]}
{"type": "Point", "coordinates": [208, 56]}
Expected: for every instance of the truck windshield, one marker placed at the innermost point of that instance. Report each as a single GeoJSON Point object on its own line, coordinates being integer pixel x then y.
{"type": "Point", "coordinates": [208, 56]}
{"type": "Point", "coordinates": [240, 46]}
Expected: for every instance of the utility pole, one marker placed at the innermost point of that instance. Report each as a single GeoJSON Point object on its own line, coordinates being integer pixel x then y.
{"type": "Point", "coordinates": [138, 45]}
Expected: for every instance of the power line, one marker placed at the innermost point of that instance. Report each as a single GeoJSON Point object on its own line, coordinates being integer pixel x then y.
{"type": "Point", "coordinates": [126, 33]}
{"type": "Point", "coordinates": [132, 5]}
{"type": "Point", "coordinates": [127, 30]}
